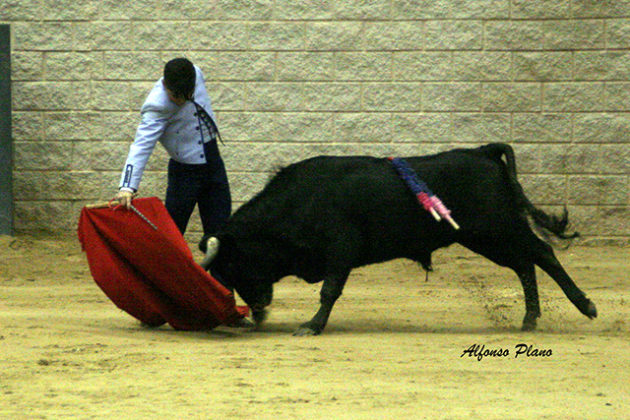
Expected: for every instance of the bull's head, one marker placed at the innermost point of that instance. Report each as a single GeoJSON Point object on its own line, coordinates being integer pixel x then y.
{"type": "Point", "coordinates": [245, 269]}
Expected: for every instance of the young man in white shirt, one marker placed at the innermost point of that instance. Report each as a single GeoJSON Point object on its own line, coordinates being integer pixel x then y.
{"type": "Point", "coordinates": [178, 114]}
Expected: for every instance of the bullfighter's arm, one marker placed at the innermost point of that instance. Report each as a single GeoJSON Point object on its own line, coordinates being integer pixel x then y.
{"type": "Point", "coordinates": [150, 129]}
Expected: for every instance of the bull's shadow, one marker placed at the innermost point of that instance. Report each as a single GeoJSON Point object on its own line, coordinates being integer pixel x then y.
{"type": "Point", "coordinates": [366, 326]}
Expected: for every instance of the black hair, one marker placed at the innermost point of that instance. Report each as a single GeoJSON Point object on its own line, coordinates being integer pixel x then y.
{"type": "Point", "coordinates": [179, 77]}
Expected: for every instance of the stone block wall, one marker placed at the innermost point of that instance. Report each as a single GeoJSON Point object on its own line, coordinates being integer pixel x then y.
{"type": "Point", "coordinates": [290, 79]}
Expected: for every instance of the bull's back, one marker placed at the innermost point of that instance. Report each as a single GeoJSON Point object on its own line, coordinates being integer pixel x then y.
{"type": "Point", "coordinates": [467, 181]}
{"type": "Point", "coordinates": [367, 194]}
{"type": "Point", "coordinates": [473, 186]}
{"type": "Point", "coordinates": [363, 196]}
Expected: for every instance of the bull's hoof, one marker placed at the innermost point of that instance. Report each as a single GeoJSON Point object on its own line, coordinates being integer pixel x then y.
{"type": "Point", "coordinates": [529, 322]}
{"type": "Point", "coordinates": [529, 325]}
{"type": "Point", "coordinates": [259, 317]}
{"type": "Point", "coordinates": [305, 331]}
{"type": "Point", "coordinates": [591, 310]}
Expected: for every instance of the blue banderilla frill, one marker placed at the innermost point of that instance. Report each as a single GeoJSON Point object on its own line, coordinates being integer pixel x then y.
{"type": "Point", "coordinates": [425, 196]}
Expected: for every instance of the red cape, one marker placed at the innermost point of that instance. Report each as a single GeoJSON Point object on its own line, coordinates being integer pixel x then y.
{"type": "Point", "coordinates": [149, 273]}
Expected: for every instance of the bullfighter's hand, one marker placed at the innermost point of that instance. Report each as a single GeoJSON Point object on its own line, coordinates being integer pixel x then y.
{"type": "Point", "coordinates": [124, 198]}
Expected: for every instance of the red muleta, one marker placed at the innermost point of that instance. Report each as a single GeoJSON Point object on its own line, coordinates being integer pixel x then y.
{"type": "Point", "coordinates": [147, 269]}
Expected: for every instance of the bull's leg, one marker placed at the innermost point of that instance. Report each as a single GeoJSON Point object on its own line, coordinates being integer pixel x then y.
{"type": "Point", "coordinates": [330, 292]}
{"type": "Point", "coordinates": [527, 275]}
{"type": "Point", "coordinates": [505, 254]}
{"type": "Point", "coordinates": [544, 257]}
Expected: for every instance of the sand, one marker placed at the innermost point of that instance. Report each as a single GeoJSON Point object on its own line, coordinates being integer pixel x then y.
{"type": "Point", "coordinates": [395, 346]}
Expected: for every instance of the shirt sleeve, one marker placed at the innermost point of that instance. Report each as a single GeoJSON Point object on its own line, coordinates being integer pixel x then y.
{"type": "Point", "coordinates": [201, 81]}
{"type": "Point", "coordinates": [150, 129]}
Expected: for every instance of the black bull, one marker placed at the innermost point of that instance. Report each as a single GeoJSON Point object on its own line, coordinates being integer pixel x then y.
{"type": "Point", "coordinates": [320, 218]}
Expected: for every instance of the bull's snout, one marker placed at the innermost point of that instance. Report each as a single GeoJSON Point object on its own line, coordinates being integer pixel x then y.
{"type": "Point", "coordinates": [262, 301]}
{"type": "Point", "coordinates": [259, 313]}
{"type": "Point", "coordinates": [259, 316]}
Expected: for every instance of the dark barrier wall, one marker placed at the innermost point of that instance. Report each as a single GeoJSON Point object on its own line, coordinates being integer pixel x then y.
{"type": "Point", "coordinates": [6, 147]}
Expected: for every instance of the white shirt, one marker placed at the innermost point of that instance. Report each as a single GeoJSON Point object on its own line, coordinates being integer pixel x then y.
{"type": "Point", "coordinates": [178, 128]}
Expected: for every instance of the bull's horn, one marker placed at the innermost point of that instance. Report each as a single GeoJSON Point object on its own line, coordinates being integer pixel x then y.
{"type": "Point", "coordinates": [211, 252]}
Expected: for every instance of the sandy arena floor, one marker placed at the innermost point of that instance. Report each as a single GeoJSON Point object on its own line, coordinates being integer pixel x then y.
{"type": "Point", "coordinates": [392, 350]}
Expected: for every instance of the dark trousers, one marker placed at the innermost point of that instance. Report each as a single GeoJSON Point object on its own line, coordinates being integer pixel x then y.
{"type": "Point", "coordinates": [205, 185]}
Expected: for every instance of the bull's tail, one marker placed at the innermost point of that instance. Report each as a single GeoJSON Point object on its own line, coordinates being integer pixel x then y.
{"type": "Point", "coordinates": [548, 223]}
